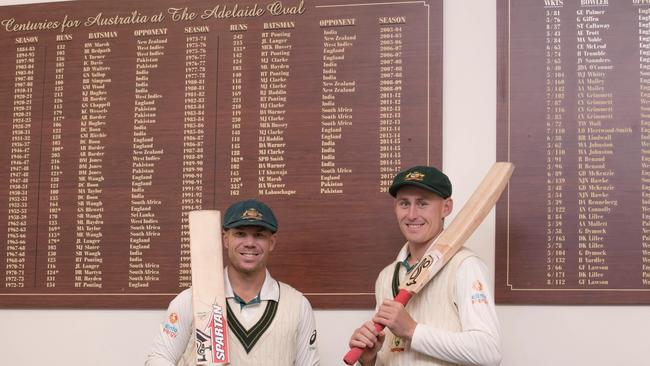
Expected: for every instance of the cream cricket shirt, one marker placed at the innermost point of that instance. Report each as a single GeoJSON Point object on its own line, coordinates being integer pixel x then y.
{"type": "Point", "coordinates": [460, 302]}
{"type": "Point", "coordinates": [176, 330]}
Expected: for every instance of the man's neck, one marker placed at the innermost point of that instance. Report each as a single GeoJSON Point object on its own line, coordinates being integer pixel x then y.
{"type": "Point", "coordinates": [418, 250]}
{"type": "Point", "coordinates": [246, 285]}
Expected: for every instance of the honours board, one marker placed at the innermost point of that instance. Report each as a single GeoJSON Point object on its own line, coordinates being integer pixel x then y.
{"type": "Point", "coordinates": [574, 117]}
{"type": "Point", "coordinates": [118, 118]}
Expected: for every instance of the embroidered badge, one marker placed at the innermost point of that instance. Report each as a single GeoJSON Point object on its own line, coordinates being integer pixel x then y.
{"type": "Point", "coordinates": [414, 176]}
{"type": "Point", "coordinates": [312, 339]}
{"type": "Point", "coordinates": [397, 345]}
{"type": "Point", "coordinates": [251, 214]}
{"type": "Point", "coordinates": [477, 285]}
{"type": "Point", "coordinates": [173, 318]}
{"type": "Point", "coordinates": [478, 297]}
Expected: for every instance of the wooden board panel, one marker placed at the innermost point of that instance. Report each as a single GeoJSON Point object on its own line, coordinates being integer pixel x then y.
{"type": "Point", "coordinates": [118, 118]}
{"type": "Point", "coordinates": [574, 118]}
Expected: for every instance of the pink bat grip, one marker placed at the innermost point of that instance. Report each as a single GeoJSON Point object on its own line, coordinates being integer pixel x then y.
{"type": "Point", "coordinates": [354, 353]}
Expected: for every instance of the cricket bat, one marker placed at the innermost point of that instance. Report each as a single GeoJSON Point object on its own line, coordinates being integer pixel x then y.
{"type": "Point", "coordinates": [451, 239]}
{"type": "Point", "coordinates": [208, 299]}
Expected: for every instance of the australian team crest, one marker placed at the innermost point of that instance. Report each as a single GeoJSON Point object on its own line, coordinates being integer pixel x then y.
{"type": "Point", "coordinates": [397, 344]}
{"type": "Point", "coordinates": [251, 214]}
{"type": "Point", "coordinates": [416, 176]}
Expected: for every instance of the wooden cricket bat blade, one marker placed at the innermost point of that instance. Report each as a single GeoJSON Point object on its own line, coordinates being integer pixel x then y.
{"type": "Point", "coordinates": [208, 298]}
{"type": "Point", "coordinates": [451, 239]}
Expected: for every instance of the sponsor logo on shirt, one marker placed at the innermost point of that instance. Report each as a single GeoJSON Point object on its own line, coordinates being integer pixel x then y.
{"type": "Point", "coordinates": [170, 330]}
{"type": "Point", "coordinates": [312, 339]}
{"type": "Point", "coordinates": [478, 297]}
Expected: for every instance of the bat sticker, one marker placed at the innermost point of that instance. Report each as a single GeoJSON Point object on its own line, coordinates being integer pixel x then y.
{"type": "Point", "coordinates": [413, 278]}
{"type": "Point", "coordinates": [201, 340]}
{"type": "Point", "coordinates": [217, 326]}
{"type": "Point", "coordinates": [427, 261]}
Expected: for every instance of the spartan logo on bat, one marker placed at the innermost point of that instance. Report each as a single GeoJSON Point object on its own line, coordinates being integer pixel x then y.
{"type": "Point", "coordinates": [413, 277]}
{"type": "Point", "coordinates": [218, 338]}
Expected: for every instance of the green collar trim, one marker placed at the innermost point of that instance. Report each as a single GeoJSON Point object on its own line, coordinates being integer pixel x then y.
{"type": "Point", "coordinates": [249, 338]}
{"type": "Point", "coordinates": [243, 303]}
{"type": "Point", "coordinates": [405, 264]}
{"type": "Point", "coordinates": [395, 284]}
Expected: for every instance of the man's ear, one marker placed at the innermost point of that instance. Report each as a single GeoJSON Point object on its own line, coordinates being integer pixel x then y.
{"type": "Point", "coordinates": [447, 207]}
{"type": "Point", "coordinates": [272, 240]}
{"type": "Point", "coordinates": [224, 238]}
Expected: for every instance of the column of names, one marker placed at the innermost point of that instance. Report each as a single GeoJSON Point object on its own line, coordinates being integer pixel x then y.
{"type": "Point", "coordinates": [274, 74]}
{"type": "Point", "coordinates": [595, 145]}
{"type": "Point", "coordinates": [95, 106]}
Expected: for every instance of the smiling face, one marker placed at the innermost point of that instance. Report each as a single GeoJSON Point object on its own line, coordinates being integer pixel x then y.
{"type": "Point", "coordinates": [248, 248]}
{"type": "Point", "coordinates": [420, 214]}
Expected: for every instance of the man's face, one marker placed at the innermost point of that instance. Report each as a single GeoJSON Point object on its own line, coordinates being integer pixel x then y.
{"type": "Point", "coordinates": [248, 247]}
{"type": "Point", "coordinates": [420, 213]}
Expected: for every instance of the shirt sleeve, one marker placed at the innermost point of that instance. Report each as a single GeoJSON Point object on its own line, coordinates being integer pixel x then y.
{"type": "Point", "coordinates": [306, 337]}
{"type": "Point", "coordinates": [170, 342]}
{"type": "Point", "coordinates": [478, 342]}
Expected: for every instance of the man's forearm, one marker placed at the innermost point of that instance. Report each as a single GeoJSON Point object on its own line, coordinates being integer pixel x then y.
{"type": "Point", "coordinates": [467, 348]}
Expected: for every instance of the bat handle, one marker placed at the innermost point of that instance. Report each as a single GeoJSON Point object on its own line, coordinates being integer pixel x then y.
{"type": "Point", "coordinates": [355, 353]}
{"type": "Point", "coordinates": [403, 296]}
